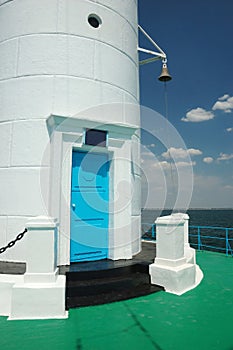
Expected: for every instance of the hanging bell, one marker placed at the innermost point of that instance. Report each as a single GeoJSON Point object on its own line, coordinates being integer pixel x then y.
{"type": "Point", "coordinates": [164, 76]}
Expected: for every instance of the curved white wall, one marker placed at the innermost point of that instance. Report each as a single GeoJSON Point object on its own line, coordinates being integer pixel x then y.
{"type": "Point", "coordinates": [53, 62]}
{"type": "Point", "coordinates": [50, 53]}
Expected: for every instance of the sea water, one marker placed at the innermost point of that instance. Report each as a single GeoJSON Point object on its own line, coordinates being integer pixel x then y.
{"type": "Point", "coordinates": [211, 238]}
{"type": "Point", "coordinates": [197, 217]}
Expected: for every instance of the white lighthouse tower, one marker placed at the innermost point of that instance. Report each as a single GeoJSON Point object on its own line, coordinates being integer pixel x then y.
{"type": "Point", "coordinates": [69, 126]}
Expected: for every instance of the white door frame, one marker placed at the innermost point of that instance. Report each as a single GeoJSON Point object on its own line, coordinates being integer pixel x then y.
{"type": "Point", "coordinates": [68, 134]}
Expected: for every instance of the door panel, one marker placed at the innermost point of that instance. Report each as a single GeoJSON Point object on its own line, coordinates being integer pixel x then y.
{"type": "Point", "coordinates": [89, 207]}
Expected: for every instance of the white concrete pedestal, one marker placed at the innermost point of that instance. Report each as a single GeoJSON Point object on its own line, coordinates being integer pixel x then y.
{"type": "Point", "coordinates": [189, 253]}
{"type": "Point", "coordinates": [175, 266]}
{"type": "Point", "coordinates": [175, 280]}
{"type": "Point", "coordinates": [41, 294]}
{"type": "Point", "coordinates": [38, 301]}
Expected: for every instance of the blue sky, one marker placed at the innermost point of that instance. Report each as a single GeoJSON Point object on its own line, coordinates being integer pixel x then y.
{"type": "Point", "coordinates": [197, 38]}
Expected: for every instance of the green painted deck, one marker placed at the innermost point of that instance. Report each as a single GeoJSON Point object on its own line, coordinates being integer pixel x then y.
{"type": "Point", "coordinates": [200, 319]}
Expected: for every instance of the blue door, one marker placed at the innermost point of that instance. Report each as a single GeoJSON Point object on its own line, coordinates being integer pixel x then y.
{"type": "Point", "coordinates": [89, 207]}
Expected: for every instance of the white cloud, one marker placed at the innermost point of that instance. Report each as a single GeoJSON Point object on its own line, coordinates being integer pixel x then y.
{"type": "Point", "coordinates": [167, 165]}
{"type": "Point", "coordinates": [146, 153]}
{"type": "Point", "coordinates": [147, 157]}
{"type": "Point", "coordinates": [224, 97]}
{"type": "Point", "coordinates": [229, 129]}
{"type": "Point", "coordinates": [163, 164]}
{"type": "Point", "coordinates": [149, 145]}
{"type": "Point", "coordinates": [198, 115]}
{"type": "Point", "coordinates": [208, 160]}
{"type": "Point", "coordinates": [224, 103]}
{"type": "Point", "coordinates": [194, 152]}
{"type": "Point", "coordinates": [181, 153]}
{"type": "Point", "coordinates": [229, 187]}
{"type": "Point", "coordinates": [184, 164]}
{"type": "Point", "coordinates": [225, 156]}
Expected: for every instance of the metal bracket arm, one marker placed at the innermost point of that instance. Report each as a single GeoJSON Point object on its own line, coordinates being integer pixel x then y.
{"type": "Point", "coordinates": [158, 55]}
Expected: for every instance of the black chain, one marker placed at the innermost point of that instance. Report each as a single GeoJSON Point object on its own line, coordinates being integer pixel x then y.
{"type": "Point", "coordinates": [12, 243]}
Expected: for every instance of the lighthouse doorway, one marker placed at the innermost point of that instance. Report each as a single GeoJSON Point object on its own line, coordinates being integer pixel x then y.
{"type": "Point", "coordinates": [89, 206]}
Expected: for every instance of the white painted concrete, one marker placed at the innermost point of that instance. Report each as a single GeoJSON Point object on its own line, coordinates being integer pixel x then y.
{"type": "Point", "coordinates": [136, 234]}
{"type": "Point", "coordinates": [173, 269]}
{"type": "Point", "coordinates": [170, 240]}
{"type": "Point", "coordinates": [53, 66]}
{"type": "Point", "coordinates": [21, 192]}
{"type": "Point", "coordinates": [53, 63]}
{"type": "Point", "coordinates": [189, 252]}
{"type": "Point", "coordinates": [8, 68]}
{"type": "Point", "coordinates": [16, 224]}
{"type": "Point", "coordinates": [23, 298]}
{"type": "Point", "coordinates": [136, 194]}
{"type": "Point", "coordinates": [38, 300]}
{"type": "Point", "coordinates": [41, 232]}
{"type": "Point", "coordinates": [5, 144]}
{"type": "Point", "coordinates": [6, 284]}
{"type": "Point", "coordinates": [3, 236]}
{"type": "Point", "coordinates": [41, 293]}
{"type": "Point", "coordinates": [124, 227]}
{"type": "Point", "coordinates": [25, 149]}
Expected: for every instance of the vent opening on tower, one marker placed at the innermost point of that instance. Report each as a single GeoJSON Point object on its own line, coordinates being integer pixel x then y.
{"type": "Point", "coordinates": [94, 20]}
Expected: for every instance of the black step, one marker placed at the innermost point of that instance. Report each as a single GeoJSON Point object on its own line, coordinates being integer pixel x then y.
{"type": "Point", "coordinates": [97, 274]}
{"type": "Point", "coordinates": [93, 287]}
{"type": "Point", "coordinates": [99, 299]}
{"type": "Point", "coordinates": [116, 271]}
{"type": "Point", "coordinates": [105, 285]}
{"type": "Point", "coordinates": [105, 281]}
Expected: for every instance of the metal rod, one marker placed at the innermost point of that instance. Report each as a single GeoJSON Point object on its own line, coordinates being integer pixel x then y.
{"type": "Point", "coordinates": [199, 238]}
{"type": "Point", "coordinates": [214, 239]}
{"type": "Point", "coordinates": [149, 60]}
{"type": "Point", "coordinates": [151, 52]}
{"type": "Point", "coordinates": [152, 41]}
{"type": "Point", "coordinates": [153, 231]}
{"type": "Point", "coordinates": [226, 241]}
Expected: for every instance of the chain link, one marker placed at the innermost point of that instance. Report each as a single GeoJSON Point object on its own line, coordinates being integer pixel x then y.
{"type": "Point", "coordinates": [12, 243]}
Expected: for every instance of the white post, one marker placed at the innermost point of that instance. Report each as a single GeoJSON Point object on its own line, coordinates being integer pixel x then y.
{"type": "Point", "coordinates": [42, 293]}
{"type": "Point", "coordinates": [42, 250]}
{"type": "Point", "coordinates": [189, 252]}
{"type": "Point", "coordinates": [171, 269]}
